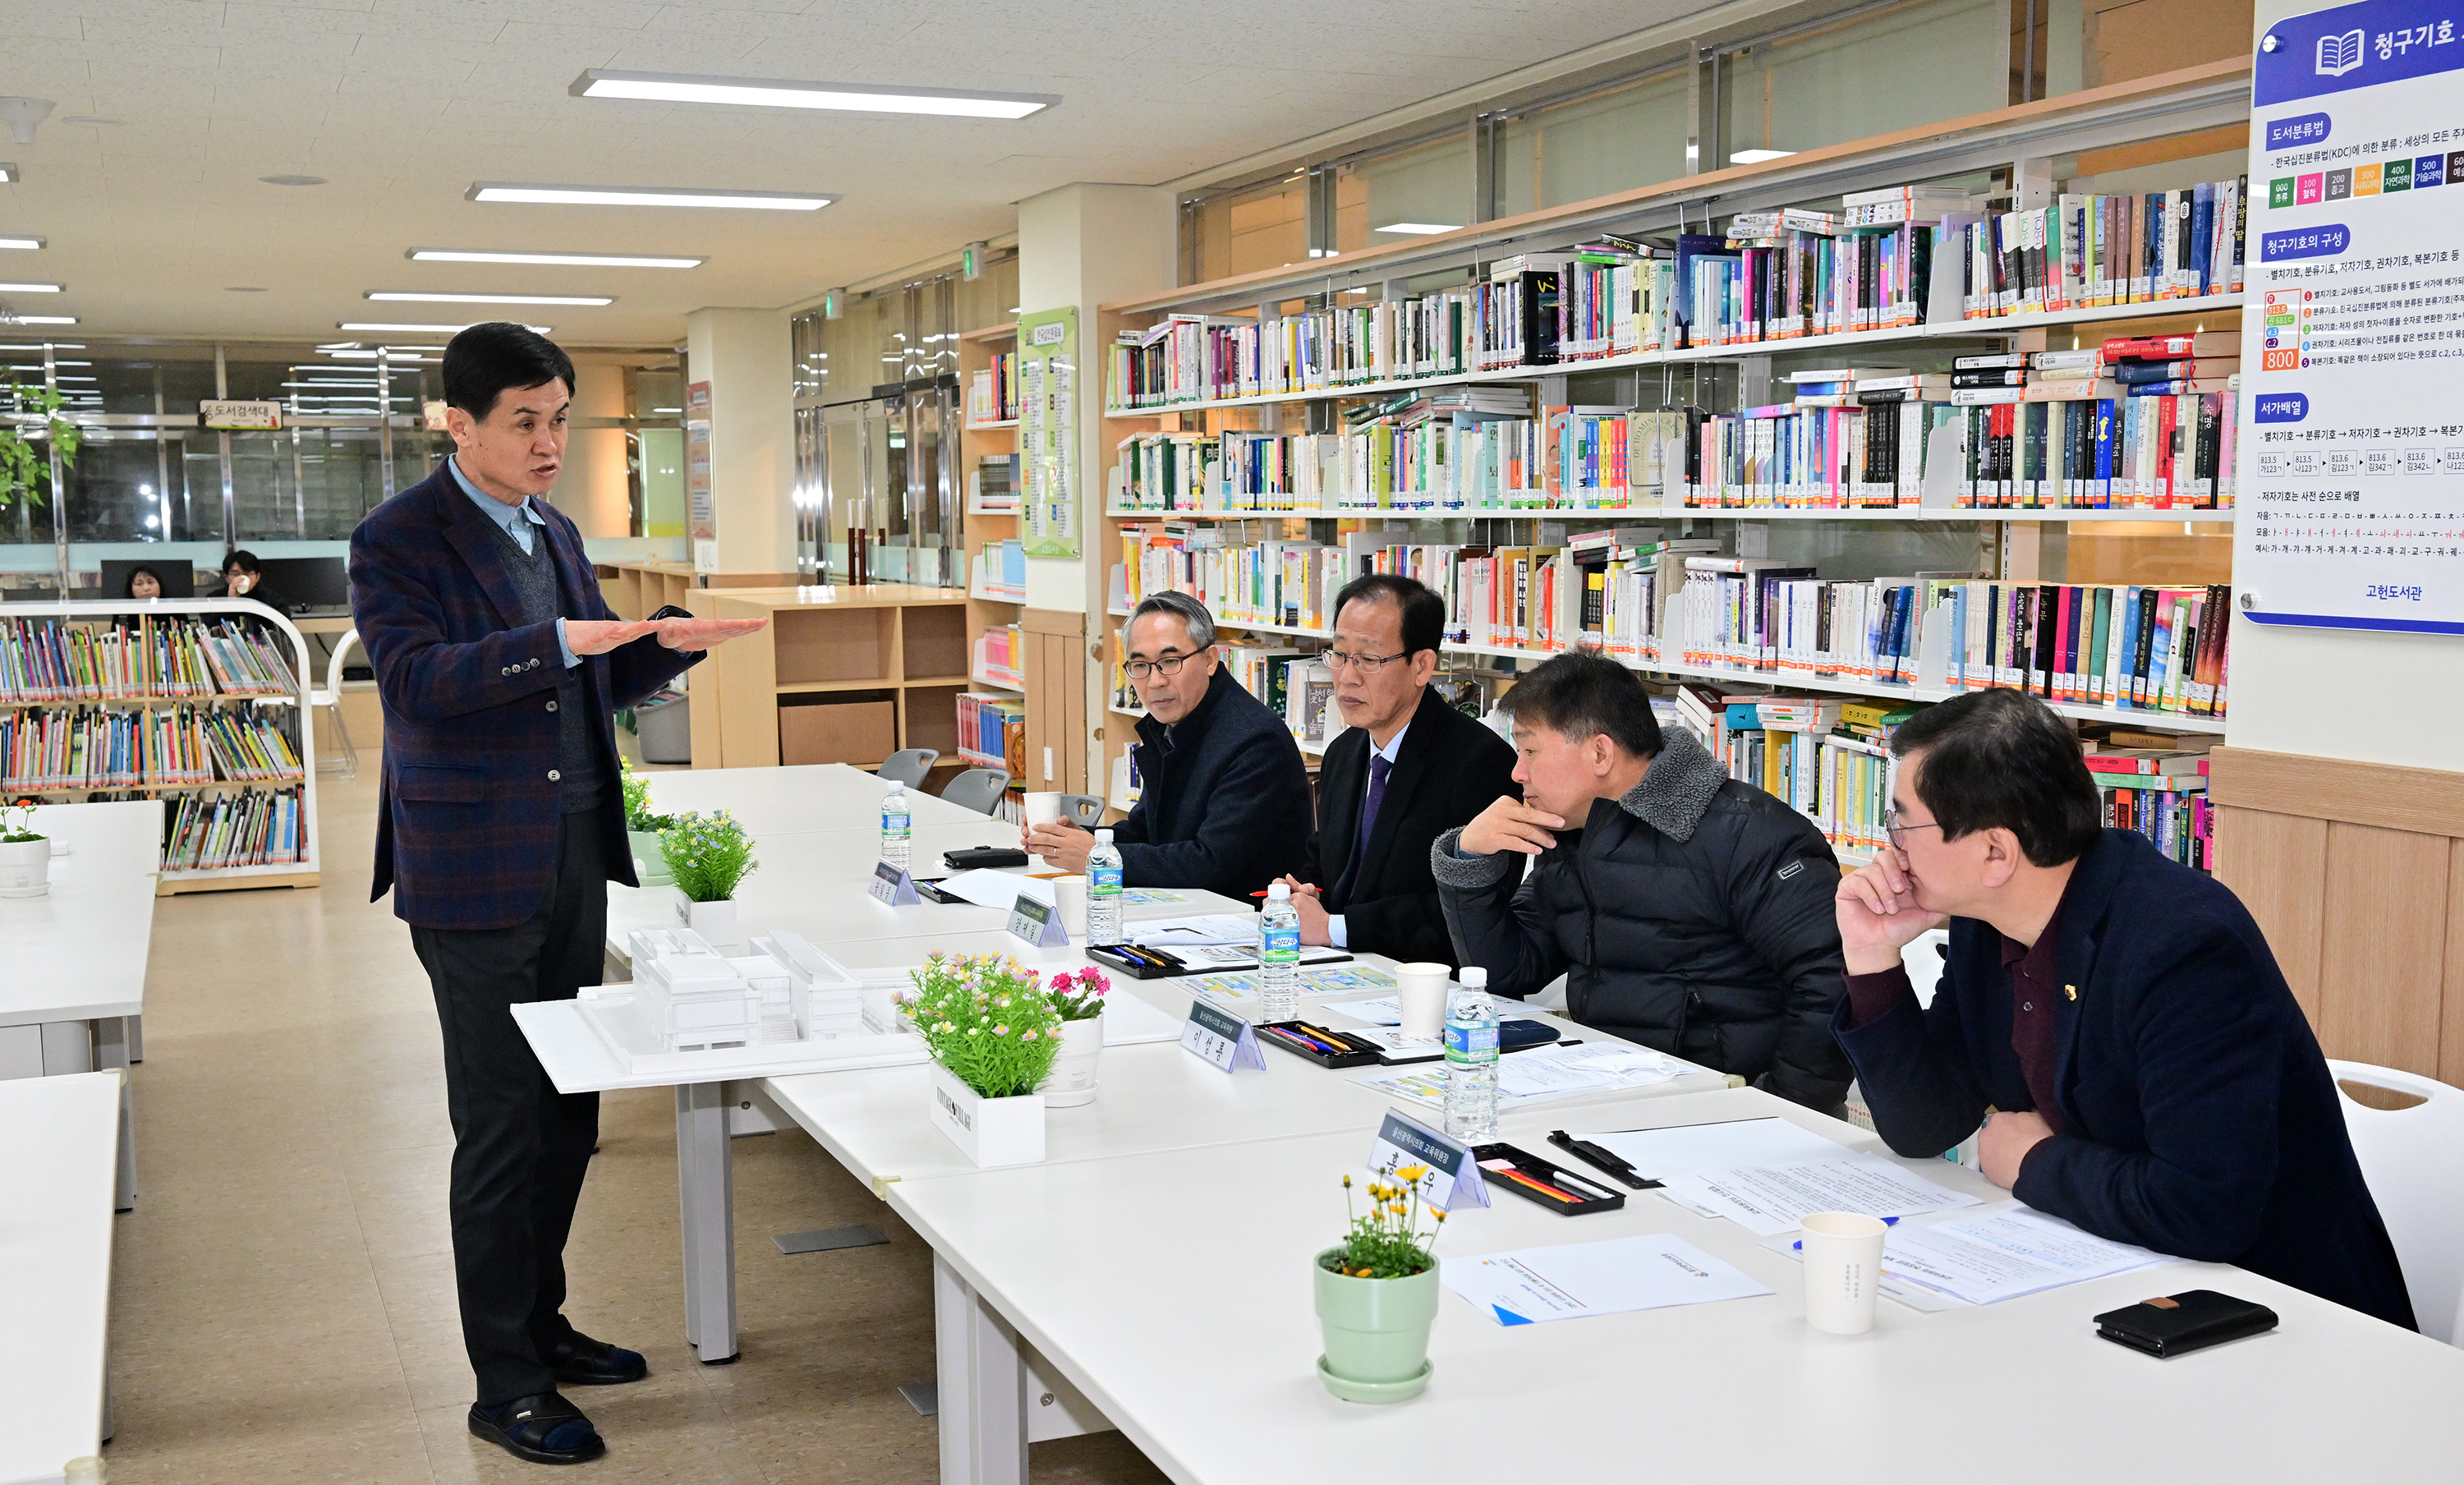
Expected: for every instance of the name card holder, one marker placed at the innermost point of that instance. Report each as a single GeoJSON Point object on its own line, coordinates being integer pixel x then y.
{"type": "Point", "coordinates": [1452, 1179]}
{"type": "Point", "coordinates": [893, 885]}
{"type": "Point", "coordinates": [1221, 1038]}
{"type": "Point", "coordinates": [1036, 922]}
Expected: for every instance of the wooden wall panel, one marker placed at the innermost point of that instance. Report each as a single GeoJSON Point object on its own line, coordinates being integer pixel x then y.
{"type": "Point", "coordinates": [1056, 708]}
{"type": "Point", "coordinates": [2427, 800]}
{"type": "Point", "coordinates": [2383, 946]}
{"type": "Point", "coordinates": [2278, 865]}
{"type": "Point", "coordinates": [2450, 1031]}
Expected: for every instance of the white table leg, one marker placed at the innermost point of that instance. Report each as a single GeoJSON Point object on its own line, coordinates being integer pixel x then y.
{"type": "Point", "coordinates": [136, 1038]}
{"type": "Point", "coordinates": [110, 1053]}
{"type": "Point", "coordinates": [705, 1185]}
{"type": "Point", "coordinates": [982, 1377]}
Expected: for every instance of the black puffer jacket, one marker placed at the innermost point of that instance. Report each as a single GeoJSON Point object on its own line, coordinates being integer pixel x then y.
{"type": "Point", "coordinates": [1694, 916]}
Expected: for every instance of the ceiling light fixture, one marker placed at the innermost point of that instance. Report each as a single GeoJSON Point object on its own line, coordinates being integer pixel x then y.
{"type": "Point", "coordinates": [406, 295]}
{"type": "Point", "coordinates": [28, 288]}
{"type": "Point", "coordinates": [8, 173]}
{"type": "Point", "coordinates": [550, 260]}
{"type": "Point", "coordinates": [244, 288]}
{"type": "Point", "coordinates": [91, 122]}
{"type": "Point", "coordinates": [646, 196]}
{"type": "Point", "coordinates": [30, 244]}
{"type": "Point", "coordinates": [1418, 228]}
{"type": "Point", "coordinates": [778, 93]}
{"type": "Point", "coordinates": [417, 329]}
{"type": "Point", "coordinates": [293, 180]}
{"type": "Point", "coordinates": [1758, 156]}
{"type": "Point", "coordinates": [8, 319]}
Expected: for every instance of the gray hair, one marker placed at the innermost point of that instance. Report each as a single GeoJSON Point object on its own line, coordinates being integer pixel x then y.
{"type": "Point", "coordinates": [1189, 611]}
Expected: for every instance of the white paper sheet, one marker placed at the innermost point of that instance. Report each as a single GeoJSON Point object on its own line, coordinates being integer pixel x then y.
{"type": "Point", "coordinates": [989, 888]}
{"type": "Point", "coordinates": [2000, 1256]}
{"type": "Point", "coordinates": [1384, 1011]}
{"type": "Point", "coordinates": [1662, 1153]}
{"type": "Point", "coordinates": [1201, 928]}
{"type": "Point", "coordinates": [1129, 1020]}
{"type": "Point", "coordinates": [1769, 1200]}
{"type": "Point", "coordinates": [1567, 1282]}
{"type": "Point", "coordinates": [1538, 1075]}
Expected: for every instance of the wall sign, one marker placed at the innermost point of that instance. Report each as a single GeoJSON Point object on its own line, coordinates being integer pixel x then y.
{"type": "Point", "coordinates": [239, 415]}
{"type": "Point", "coordinates": [1047, 430]}
{"type": "Point", "coordinates": [2351, 438]}
{"type": "Point", "coordinates": [701, 497]}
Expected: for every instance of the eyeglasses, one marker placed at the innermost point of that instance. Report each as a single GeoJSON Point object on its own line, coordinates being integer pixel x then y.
{"type": "Point", "coordinates": [1169, 665]}
{"type": "Point", "coordinates": [1892, 827]}
{"type": "Point", "coordinates": [1365, 664]}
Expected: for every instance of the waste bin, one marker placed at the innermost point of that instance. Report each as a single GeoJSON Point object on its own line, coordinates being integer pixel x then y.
{"type": "Point", "coordinates": [663, 724]}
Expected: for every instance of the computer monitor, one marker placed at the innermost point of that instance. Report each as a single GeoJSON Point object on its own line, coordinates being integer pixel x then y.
{"type": "Point", "coordinates": [310, 582]}
{"type": "Point", "coordinates": [177, 575]}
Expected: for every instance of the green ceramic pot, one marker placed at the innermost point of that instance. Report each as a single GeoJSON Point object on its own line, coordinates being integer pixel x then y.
{"type": "Point", "coordinates": [1377, 1333]}
{"type": "Point", "coordinates": [654, 861]}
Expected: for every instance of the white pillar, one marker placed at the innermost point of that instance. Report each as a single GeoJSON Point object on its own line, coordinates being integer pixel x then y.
{"type": "Point", "coordinates": [743, 355]}
{"type": "Point", "coordinates": [595, 489]}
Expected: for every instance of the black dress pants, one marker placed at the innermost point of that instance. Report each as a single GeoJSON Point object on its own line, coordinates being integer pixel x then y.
{"type": "Point", "coordinates": [520, 1148]}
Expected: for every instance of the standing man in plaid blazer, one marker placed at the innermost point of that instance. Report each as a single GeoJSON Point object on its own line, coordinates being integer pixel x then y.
{"type": "Point", "coordinates": [499, 825]}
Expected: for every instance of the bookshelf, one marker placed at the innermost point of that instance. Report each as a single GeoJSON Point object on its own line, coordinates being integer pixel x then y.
{"type": "Point", "coordinates": [991, 603]}
{"type": "Point", "coordinates": [136, 684]}
{"type": "Point", "coordinates": [2018, 160]}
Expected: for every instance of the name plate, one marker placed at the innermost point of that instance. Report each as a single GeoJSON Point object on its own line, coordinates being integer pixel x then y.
{"type": "Point", "coordinates": [1450, 1179]}
{"type": "Point", "coordinates": [1038, 923]}
{"type": "Point", "coordinates": [893, 885]}
{"type": "Point", "coordinates": [1221, 1038]}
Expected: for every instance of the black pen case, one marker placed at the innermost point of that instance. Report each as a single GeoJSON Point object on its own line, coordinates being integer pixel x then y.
{"type": "Point", "coordinates": [1360, 1050]}
{"type": "Point", "coordinates": [1497, 1161]}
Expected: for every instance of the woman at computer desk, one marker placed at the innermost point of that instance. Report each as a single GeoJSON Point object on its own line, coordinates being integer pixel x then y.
{"type": "Point", "coordinates": [144, 583]}
{"type": "Point", "coordinates": [244, 578]}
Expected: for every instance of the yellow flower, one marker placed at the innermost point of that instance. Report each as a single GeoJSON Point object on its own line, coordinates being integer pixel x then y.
{"type": "Point", "coordinates": [1411, 1173]}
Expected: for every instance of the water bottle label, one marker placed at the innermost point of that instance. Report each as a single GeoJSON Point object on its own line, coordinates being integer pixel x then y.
{"type": "Point", "coordinates": [1284, 945]}
{"type": "Point", "coordinates": [894, 826]}
{"type": "Point", "coordinates": [1471, 1043]}
{"type": "Point", "coordinates": [1103, 881]}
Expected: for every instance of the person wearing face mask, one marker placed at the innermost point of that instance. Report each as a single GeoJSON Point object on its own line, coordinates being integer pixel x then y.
{"type": "Point", "coordinates": [1688, 912]}
{"type": "Point", "coordinates": [1407, 767]}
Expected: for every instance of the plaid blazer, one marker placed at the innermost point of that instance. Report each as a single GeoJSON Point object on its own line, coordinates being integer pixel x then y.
{"type": "Point", "coordinates": [466, 816]}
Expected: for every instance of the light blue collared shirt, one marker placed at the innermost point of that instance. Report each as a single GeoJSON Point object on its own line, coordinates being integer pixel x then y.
{"type": "Point", "coordinates": [1336, 931]}
{"type": "Point", "coordinates": [519, 522]}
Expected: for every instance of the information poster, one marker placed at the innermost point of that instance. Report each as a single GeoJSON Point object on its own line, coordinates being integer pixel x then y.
{"type": "Point", "coordinates": [2352, 429]}
{"type": "Point", "coordinates": [702, 501]}
{"type": "Point", "coordinates": [1047, 430]}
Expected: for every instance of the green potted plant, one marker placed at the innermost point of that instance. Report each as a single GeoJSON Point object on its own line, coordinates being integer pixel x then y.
{"type": "Point", "coordinates": [993, 1034]}
{"type": "Point", "coordinates": [1377, 1293]}
{"type": "Point", "coordinates": [21, 465]}
{"type": "Point", "coordinates": [1080, 1006]}
{"type": "Point", "coordinates": [25, 855]}
{"type": "Point", "coordinates": [708, 855]}
{"type": "Point", "coordinates": [642, 828]}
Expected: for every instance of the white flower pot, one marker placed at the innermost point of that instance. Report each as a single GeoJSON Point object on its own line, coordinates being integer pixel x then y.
{"type": "Point", "coordinates": [25, 868]}
{"type": "Point", "coordinates": [1071, 1082]}
{"type": "Point", "coordinates": [714, 921]}
{"type": "Point", "coordinates": [990, 1131]}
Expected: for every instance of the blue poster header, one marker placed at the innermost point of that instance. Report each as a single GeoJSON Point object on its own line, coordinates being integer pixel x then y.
{"type": "Point", "coordinates": [2358, 46]}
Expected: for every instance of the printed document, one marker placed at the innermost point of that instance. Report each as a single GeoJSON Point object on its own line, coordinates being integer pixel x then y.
{"type": "Point", "coordinates": [2003, 1254]}
{"type": "Point", "coordinates": [1676, 1151]}
{"type": "Point", "coordinates": [1567, 1282]}
{"type": "Point", "coordinates": [1774, 1199]}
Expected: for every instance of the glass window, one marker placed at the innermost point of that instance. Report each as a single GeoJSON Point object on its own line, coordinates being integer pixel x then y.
{"type": "Point", "coordinates": [1392, 198]}
{"type": "Point", "coordinates": [1629, 137]}
{"type": "Point", "coordinates": [1896, 69]}
{"type": "Point", "coordinates": [1244, 231]}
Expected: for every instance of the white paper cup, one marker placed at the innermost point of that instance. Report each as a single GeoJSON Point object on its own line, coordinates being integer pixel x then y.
{"type": "Point", "coordinates": [1843, 1269]}
{"type": "Point", "coordinates": [1424, 996]}
{"type": "Point", "coordinates": [1069, 895]}
{"type": "Point", "coordinates": [1043, 808]}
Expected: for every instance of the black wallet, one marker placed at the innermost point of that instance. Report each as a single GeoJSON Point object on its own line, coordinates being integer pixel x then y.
{"type": "Point", "coordinates": [983, 856]}
{"type": "Point", "coordinates": [2178, 1324]}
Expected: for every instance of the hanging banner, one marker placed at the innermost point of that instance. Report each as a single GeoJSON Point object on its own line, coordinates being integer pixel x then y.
{"type": "Point", "coordinates": [1047, 430]}
{"type": "Point", "coordinates": [701, 499]}
{"type": "Point", "coordinates": [2351, 445]}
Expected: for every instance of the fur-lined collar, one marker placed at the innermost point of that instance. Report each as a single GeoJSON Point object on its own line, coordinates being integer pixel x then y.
{"type": "Point", "coordinates": [1678, 787]}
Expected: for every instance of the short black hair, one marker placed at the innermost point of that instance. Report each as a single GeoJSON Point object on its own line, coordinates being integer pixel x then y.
{"type": "Point", "coordinates": [2003, 758]}
{"type": "Point", "coordinates": [131, 591]}
{"type": "Point", "coordinates": [485, 360]}
{"type": "Point", "coordinates": [244, 560]}
{"type": "Point", "coordinates": [1582, 694]}
{"type": "Point", "coordinates": [1424, 612]}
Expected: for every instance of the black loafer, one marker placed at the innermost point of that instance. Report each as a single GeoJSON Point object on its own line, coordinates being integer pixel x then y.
{"type": "Point", "coordinates": [543, 1429]}
{"type": "Point", "coordinates": [580, 1361]}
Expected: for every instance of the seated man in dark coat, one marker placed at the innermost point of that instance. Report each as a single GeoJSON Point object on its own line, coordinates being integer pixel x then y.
{"type": "Point", "coordinates": [2112, 1018]}
{"type": "Point", "coordinates": [1687, 911]}
{"type": "Point", "coordinates": [1223, 801]}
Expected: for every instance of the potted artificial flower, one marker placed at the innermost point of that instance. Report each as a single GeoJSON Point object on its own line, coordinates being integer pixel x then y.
{"type": "Point", "coordinates": [1378, 1294]}
{"type": "Point", "coordinates": [25, 855]}
{"type": "Point", "coordinates": [642, 828]}
{"type": "Point", "coordinates": [1081, 1008]}
{"type": "Point", "coordinates": [708, 855]}
{"type": "Point", "coordinates": [992, 1034]}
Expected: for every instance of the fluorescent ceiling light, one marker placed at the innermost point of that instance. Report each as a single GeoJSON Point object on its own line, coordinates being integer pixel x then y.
{"type": "Point", "coordinates": [1417, 229]}
{"type": "Point", "coordinates": [415, 329]}
{"type": "Point", "coordinates": [647, 197]}
{"type": "Point", "coordinates": [550, 260]}
{"type": "Point", "coordinates": [37, 318]}
{"type": "Point", "coordinates": [8, 173]}
{"type": "Point", "coordinates": [774, 93]}
{"type": "Point", "coordinates": [30, 244]}
{"type": "Point", "coordinates": [489, 299]}
{"type": "Point", "coordinates": [1758, 156]}
{"type": "Point", "coordinates": [28, 288]}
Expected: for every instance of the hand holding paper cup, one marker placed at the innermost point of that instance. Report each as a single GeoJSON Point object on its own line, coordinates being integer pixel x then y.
{"type": "Point", "coordinates": [1043, 808]}
{"type": "Point", "coordinates": [1422, 997]}
{"type": "Point", "coordinates": [1843, 1269]}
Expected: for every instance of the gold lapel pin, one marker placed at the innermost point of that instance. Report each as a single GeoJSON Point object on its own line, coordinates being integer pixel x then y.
{"type": "Point", "coordinates": [2071, 990]}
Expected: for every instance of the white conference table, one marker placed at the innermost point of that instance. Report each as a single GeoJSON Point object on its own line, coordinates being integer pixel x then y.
{"type": "Point", "coordinates": [56, 1269]}
{"type": "Point", "coordinates": [73, 992]}
{"type": "Point", "coordinates": [798, 797]}
{"type": "Point", "coordinates": [1209, 1364]}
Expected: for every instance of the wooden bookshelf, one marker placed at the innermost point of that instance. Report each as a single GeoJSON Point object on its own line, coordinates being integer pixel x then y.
{"type": "Point", "coordinates": [884, 663]}
{"type": "Point", "coordinates": [985, 608]}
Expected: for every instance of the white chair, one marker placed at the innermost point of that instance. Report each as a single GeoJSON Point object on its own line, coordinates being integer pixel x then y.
{"type": "Point", "coordinates": [2414, 1159]}
{"type": "Point", "coordinates": [345, 758]}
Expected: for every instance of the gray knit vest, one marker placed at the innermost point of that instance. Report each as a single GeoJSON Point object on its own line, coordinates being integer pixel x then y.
{"type": "Point", "coordinates": [535, 578]}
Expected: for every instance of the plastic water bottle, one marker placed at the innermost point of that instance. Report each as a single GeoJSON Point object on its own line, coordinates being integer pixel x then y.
{"type": "Point", "coordinates": [894, 826]}
{"type": "Point", "coordinates": [1279, 955]}
{"type": "Point", "coordinates": [1471, 1060]}
{"type": "Point", "coordinates": [1103, 891]}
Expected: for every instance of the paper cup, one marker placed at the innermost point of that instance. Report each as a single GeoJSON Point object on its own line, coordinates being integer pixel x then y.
{"type": "Point", "coordinates": [1423, 997]}
{"type": "Point", "coordinates": [1069, 895]}
{"type": "Point", "coordinates": [1043, 807]}
{"type": "Point", "coordinates": [1843, 1269]}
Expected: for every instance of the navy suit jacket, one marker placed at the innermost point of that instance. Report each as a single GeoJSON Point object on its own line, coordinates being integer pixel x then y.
{"type": "Point", "coordinates": [2198, 1115]}
{"type": "Point", "coordinates": [466, 816]}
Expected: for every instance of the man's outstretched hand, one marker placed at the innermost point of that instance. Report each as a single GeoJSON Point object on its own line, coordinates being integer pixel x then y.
{"type": "Point", "coordinates": [704, 633]}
